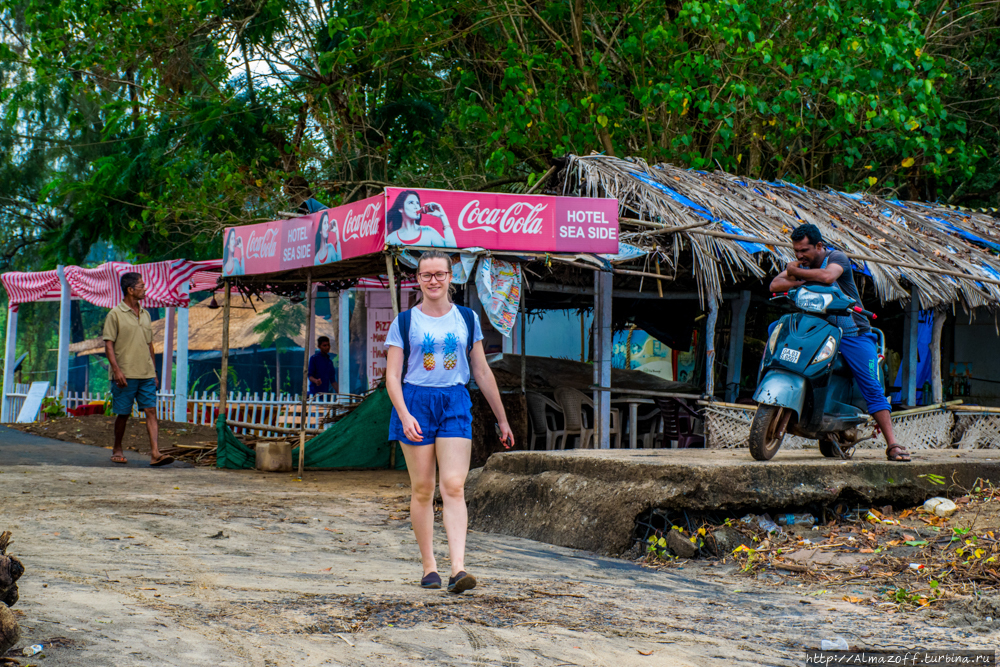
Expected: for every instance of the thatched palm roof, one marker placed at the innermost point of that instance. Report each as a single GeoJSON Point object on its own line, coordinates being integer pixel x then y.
{"type": "Point", "coordinates": [205, 328]}
{"type": "Point", "coordinates": [948, 255]}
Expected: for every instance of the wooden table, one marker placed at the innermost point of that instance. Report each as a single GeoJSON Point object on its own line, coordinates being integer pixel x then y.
{"type": "Point", "coordinates": [633, 415]}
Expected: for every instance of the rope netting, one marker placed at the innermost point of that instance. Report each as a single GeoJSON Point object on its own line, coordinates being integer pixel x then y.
{"type": "Point", "coordinates": [729, 427]}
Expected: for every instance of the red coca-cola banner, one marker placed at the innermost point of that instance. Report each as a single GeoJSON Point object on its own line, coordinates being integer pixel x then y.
{"type": "Point", "coordinates": [320, 238]}
{"type": "Point", "coordinates": [424, 218]}
{"type": "Point", "coordinates": [450, 219]}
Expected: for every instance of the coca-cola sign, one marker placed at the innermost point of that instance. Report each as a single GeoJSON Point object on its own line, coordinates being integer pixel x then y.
{"type": "Point", "coordinates": [320, 238]}
{"type": "Point", "coordinates": [366, 223]}
{"type": "Point", "coordinates": [263, 245]}
{"type": "Point", "coordinates": [518, 218]}
{"type": "Point", "coordinates": [451, 219]}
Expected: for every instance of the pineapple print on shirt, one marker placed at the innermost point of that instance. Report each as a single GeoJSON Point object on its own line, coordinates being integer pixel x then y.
{"type": "Point", "coordinates": [428, 349]}
{"type": "Point", "coordinates": [450, 352]}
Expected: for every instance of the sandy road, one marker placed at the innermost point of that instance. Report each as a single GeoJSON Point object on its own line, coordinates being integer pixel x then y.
{"type": "Point", "coordinates": [128, 566]}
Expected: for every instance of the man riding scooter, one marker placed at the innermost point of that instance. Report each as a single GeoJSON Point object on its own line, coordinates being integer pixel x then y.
{"type": "Point", "coordinates": [818, 264]}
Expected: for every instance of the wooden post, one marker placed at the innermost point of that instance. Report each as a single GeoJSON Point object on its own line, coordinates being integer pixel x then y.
{"type": "Point", "coordinates": [305, 381]}
{"type": "Point", "coordinates": [713, 315]}
{"type": "Point", "coordinates": [224, 371]}
{"type": "Point", "coordinates": [736, 332]}
{"type": "Point", "coordinates": [311, 320]}
{"type": "Point", "coordinates": [940, 316]}
{"type": "Point", "coordinates": [391, 273]}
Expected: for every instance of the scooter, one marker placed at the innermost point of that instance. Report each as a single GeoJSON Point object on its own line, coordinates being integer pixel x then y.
{"type": "Point", "coordinates": [804, 387]}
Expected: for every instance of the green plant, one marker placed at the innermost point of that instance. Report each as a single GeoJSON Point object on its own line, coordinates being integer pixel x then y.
{"type": "Point", "coordinates": [52, 407]}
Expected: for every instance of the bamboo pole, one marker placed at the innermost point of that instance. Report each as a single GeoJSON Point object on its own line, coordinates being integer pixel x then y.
{"type": "Point", "coordinates": [713, 315]}
{"type": "Point", "coordinates": [224, 374]}
{"type": "Point", "coordinates": [524, 355]}
{"type": "Point", "coordinates": [391, 273]}
{"type": "Point", "coordinates": [305, 381]}
{"type": "Point", "coordinates": [659, 284]}
{"type": "Point", "coordinates": [937, 389]}
{"type": "Point", "coordinates": [645, 274]}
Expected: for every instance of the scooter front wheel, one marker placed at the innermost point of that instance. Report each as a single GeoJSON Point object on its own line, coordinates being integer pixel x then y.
{"type": "Point", "coordinates": [767, 431]}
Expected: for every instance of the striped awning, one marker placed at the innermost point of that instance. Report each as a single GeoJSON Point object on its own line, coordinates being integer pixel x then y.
{"type": "Point", "coordinates": [100, 285]}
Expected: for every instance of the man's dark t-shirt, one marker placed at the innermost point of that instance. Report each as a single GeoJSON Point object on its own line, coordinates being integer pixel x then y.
{"type": "Point", "coordinates": [321, 368]}
{"type": "Point", "coordinates": [846, 284]}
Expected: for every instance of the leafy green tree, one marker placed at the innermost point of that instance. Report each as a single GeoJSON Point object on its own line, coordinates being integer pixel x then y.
{"type": "Point", "coordinates": [284, 321]}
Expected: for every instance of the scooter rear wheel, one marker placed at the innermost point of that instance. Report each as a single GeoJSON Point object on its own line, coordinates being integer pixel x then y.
{"type": "Point", "coordinates": [827, 449]}
{"type": "Point", "coordinates": [767, 431]}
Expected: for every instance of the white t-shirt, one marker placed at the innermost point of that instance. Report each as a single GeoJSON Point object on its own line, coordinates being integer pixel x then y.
{"type": "Point", "coordinates": [437, 348]}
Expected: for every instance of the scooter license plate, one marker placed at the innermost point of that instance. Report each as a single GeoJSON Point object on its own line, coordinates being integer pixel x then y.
{"type": "Point", "coordinates": [791, 355]}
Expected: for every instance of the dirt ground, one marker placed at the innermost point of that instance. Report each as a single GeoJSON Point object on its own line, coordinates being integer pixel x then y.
{"type": "Point", "coordinates": [99, 430]}
{"type": "Point", "coordinates": [205, 567]}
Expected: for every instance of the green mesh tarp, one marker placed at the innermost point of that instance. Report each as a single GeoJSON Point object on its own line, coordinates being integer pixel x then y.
{"type": "Point", "coordinates": [231, 453]}
{"type": "Point", "coordinates": [359, 440]}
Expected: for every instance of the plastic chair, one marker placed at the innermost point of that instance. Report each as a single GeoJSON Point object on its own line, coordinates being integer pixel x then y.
{"type": "Point", "coordinates": [544, 414]}
{"type": "Point", "coordinates": [572, 402]}
{"type": "Point", "coordinates": [647, 435]}
{"type": "Point", "coordinates": [677, 420]}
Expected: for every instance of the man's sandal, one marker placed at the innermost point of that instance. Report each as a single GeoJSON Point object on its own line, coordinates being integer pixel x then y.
{"type": "Point", "coordinates": [897, 452]}
{"type": "Point", "coordinates": [119, 459]}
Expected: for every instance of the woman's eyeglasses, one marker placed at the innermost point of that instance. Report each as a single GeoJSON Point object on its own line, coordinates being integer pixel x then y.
{"type": "Point", "coordinates": [439, 276]}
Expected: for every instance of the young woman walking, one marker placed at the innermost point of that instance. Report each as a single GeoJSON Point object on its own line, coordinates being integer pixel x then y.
{"type": "Point", "coordinates": [431, 350]}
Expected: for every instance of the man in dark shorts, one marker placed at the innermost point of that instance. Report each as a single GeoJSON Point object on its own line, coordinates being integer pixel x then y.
{"type": "Point", "coordinates": [818, 263]}
{"type": "Point", "coordinates": [128, 343]}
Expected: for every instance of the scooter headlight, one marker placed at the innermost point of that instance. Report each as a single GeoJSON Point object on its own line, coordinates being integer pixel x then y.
{"type": "Point", "coordinates": [828, 350]}
{"type": "Point", "coordinates": [812, 302]}
{"type": "Point", "coordinates": [772, 342]}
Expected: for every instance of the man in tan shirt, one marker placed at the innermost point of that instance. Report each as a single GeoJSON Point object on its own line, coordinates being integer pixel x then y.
{"type": "Point", "coordinates": [128, 343]}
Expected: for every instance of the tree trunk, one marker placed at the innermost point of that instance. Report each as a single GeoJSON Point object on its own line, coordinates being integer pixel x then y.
{"type": "Point", "coordinates": [10, 571]}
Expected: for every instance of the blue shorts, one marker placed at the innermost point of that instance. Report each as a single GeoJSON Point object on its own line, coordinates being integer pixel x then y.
{"type": "Point", "coordinates": [141, 391]}
{"type": "Point", "coordinates": [442, 412]}
{"type": "Point", "coordinates": [861, 354]}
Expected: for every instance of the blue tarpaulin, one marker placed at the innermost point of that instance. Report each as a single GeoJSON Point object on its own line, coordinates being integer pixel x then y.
{"type": "Point", "coordinates": [925, 330]}
{"type": "Point", "coordinates": [702, 211]}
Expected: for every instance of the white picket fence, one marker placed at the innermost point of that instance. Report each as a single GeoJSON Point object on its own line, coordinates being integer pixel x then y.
{"type": "Point", "coordinates": [268, 409]}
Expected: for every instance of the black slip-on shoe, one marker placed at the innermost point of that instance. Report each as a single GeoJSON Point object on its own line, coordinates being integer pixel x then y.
{"type": "Point", "coordinates": [461, 582]}
{"type": "Point", "coordinates": [431, 580]}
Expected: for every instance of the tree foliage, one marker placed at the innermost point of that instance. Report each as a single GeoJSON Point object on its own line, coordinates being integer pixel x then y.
{"type": "Point", "coordinates": [154, 123]}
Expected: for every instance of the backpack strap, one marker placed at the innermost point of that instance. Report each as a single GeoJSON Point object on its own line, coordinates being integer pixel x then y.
{"type": "Point", "coordinates": [470, 324]}
{"type": "Point", "coordinates": [404, 331]}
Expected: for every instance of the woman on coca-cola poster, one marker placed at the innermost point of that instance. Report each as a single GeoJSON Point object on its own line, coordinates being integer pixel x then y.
{"type": "Point", "coordinates": [232, 255]}
{"type": "Point", "coordinates": [404, 228]}
{"type": "Point", "coordinates": [326, 249]}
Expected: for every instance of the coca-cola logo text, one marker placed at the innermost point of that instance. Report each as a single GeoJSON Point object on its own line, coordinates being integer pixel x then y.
{"type": "Point", "coordinates": [518, 218]}
{"type": "Point", "coordinates": [263, 246]}
{"type": "Point", "coordinates": [366, 224]}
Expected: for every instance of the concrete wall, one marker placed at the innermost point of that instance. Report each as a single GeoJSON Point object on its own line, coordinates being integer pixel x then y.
{"type": "Point", "coordinates": [977, 343]}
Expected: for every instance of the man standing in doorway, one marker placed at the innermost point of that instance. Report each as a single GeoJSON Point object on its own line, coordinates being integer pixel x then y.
{"type": "Point", "coordinates": [322, 374]}
{"type": "Point", "coordinates": [128, 343]}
